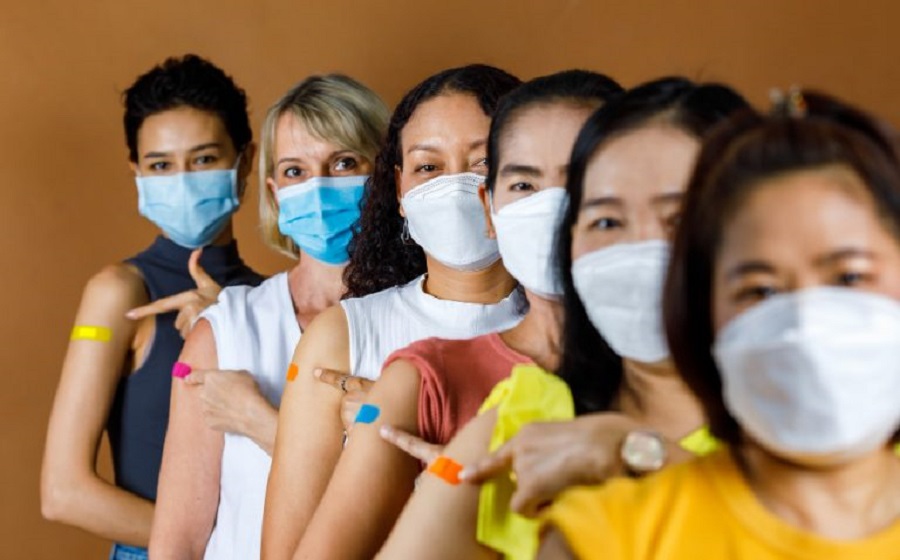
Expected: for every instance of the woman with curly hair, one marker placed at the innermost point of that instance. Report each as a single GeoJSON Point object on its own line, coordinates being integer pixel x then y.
{"type": "Point", "coordinates": [421, 265]}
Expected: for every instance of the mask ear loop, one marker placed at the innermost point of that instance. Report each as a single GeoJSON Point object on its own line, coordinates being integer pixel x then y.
{"type": "Point", "coordinates": [404, 235]}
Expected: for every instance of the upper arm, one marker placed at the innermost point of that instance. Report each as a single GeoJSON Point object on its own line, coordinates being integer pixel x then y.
{"type": "Point", "coordinates": [306, 401]}
{"type": "Point", "coordinates": [345, 526]}
{"type": "Point", "coordinates": [308, 440]}
{"type": "Point", "coordinates": [91, 372]}
{"type": "Point", "coordinates": [188, 492]}
{"type": "Point", "coordinates": [439, 521]}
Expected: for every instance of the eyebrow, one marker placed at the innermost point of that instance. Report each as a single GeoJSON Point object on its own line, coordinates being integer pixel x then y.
{"type": "Point", "coordinates": [329, 157]}
{"type": "Point", "coordinates": [845, 253]}
{"type": "Point", "coordinates": [601, 201]}
{"type": "Point", "coordinates": [669, 197]}
{"type": "Point", "coordinates": [616, 201]}
{"type": "Point", "coordinates": [199, 148]}
{"type": "Point", "coordinates": [749, 267]}
{"type": "Point", "coordinates": [429, 148]}
{"type": "Point", "coordinates": [520, 169]}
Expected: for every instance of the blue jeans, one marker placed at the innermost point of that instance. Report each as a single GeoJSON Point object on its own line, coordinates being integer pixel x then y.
{"type": "Point", "coordinates": [126, 552]}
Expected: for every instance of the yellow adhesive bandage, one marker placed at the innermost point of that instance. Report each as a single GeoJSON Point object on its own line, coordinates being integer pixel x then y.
{"type": "Point", "coordinates": [84, 332]}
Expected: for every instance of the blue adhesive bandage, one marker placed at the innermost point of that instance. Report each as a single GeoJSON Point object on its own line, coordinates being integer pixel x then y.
{"type": "Point", "coordinates": [367, 414]}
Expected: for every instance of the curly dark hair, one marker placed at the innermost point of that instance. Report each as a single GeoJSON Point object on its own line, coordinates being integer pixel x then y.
{"type": "Point", "coordinates": [589, 366]}
{"type": "Point", "coordinates": [189, 81]}
{"type": "Point", "coordinates": [379, 258]}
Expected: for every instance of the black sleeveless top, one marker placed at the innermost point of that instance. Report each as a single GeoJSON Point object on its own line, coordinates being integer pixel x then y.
{"type": "Point", "coordinates": [140, 411]}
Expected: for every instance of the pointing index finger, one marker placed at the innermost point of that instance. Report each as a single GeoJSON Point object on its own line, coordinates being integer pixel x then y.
{"type": "Point", "coordinates": [410, 444]}
{"type": "Point", "coordinates": [201, 278]}
{"type": "Point", "coordinates": [164, 305]}
{"type": "Point", "coordinates": [330, 377]}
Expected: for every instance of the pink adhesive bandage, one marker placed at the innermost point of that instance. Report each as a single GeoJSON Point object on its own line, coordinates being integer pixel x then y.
{"type": "Point", "coordinates": [181, 370]}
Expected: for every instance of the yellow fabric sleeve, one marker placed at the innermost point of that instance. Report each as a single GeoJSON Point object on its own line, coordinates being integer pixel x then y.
{"type": "Point", "coordinates": [700, 442]}
{"type": "Point", "coordinates": [529, 395]}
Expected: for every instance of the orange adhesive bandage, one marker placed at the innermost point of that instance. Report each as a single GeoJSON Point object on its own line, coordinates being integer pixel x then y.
{"type": "Point", "coordinates": [293, 370]}
{"type": "Point", "coordinates": [446, 468]}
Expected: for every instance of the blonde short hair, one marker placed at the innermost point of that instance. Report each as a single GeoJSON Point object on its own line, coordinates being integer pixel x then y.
{"type": "Point", "coordinates": [333, 107]}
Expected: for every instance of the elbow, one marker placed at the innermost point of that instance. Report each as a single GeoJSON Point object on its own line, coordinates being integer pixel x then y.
{"type": "Point", "coordinates": [55, 500]}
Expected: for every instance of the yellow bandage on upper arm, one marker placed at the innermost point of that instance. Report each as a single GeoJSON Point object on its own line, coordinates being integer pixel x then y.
{"type": "Point", "coordinates": [86, 332]}
{"type": "Point", "coordinates": [529, 395]}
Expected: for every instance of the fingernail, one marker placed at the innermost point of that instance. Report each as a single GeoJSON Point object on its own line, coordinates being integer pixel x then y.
{"type": "Point", "coordinates": [465, 473]}
{"type": "Point", "coordinates": [385, 431]}
{"type": "Point", "coordinates": [317, 372]}
{"type": "Point", "coordinates": [130, 314]}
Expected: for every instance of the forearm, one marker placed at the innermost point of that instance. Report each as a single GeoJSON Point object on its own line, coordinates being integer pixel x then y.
{"type": "Point", "coordinates": [95, 505]}
{"type": "Point", "coordinates": [186, 505]}
{"type": "Point", "coordinates": [369, 488]}
{"type": "Point", "coordinates": [262, 425]}
{"type": "Point", "coordinates": [308, 446]}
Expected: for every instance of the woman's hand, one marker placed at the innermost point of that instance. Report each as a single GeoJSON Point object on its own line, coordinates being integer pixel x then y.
{"type": "Point", "coordinates": [232, 402]}
{"type": "Point", "coordinates": [410, 444]}
{"type": "Point", "coordinates": [188, 304]}
{"type": "Point", "coordinates": [355, 390]}
{"type": "Point", "coordinates": [548, 457]}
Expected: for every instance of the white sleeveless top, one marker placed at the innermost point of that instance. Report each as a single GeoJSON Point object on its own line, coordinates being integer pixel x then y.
{"type": "Point", "coordinates": [392, 319]}
{"type": "Point", "coordinates": [255, 330]}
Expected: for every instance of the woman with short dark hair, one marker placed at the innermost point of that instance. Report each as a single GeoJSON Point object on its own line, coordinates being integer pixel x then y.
{"type": "Point", "coordinates": [190, 147]}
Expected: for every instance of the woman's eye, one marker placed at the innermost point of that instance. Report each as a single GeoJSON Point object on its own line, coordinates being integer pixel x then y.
{"type": "Point", "coordinates": [850, 279]}
{"type": "Point", "coordinates": [480, 164]}
{"type": "Point", "coordinates": [345, 164]}
{"type": "Point", "coordinates": [755, 293]}
{"type": "Point", "coordinates": [426, 168]}
{"type": "Point", "coordinates": [205, 160]}
{"type": "Point", "coordinates": [521, 187]}
{"type": "Point", "coordinates": [606, 223]}
{"type": "Point", "coordinates": [159, 166]}
{"type": "Point", "coordinates": [293, 172]}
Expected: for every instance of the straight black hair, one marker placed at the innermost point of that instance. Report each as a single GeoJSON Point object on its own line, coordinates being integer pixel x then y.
{"type": "Point", "coordinates": [819, 131]}
{"type": "Point", "coordinates": [579, 87]}
{"type": "Point", "coordinates": [589, 366]}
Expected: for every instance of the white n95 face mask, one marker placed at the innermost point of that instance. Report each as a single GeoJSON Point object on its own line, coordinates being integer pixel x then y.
{"type": "Point", "coordinates": [621, 289]}
{"type": "Point", "coordinates": [526, 234]}
{"type": "Point", "coordinates": [814, 376]}
{"type": "Point", "coordinates": [446, 219]}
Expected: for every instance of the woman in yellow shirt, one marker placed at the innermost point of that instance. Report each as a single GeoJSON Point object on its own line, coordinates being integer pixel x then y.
{"type": "Point", "coordinates": [782, 314]}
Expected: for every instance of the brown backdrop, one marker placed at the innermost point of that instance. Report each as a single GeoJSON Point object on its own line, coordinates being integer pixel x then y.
{"type": "Point", "coordinates": [69, 203]}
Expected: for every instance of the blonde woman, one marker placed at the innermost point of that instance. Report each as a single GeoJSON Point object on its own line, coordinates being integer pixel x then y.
{"type": "Point", "coordinates": [318, 146]}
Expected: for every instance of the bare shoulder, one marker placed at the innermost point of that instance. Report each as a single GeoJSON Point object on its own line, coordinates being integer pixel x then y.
{"type": "Point", "coordinates": [399, 373]}
{"type": "Point", "coordinates": [200, 347]}
{"type": "Point", "coordinates": [116, 285]}
{"type": "Point", "coordinates": [326, 341]}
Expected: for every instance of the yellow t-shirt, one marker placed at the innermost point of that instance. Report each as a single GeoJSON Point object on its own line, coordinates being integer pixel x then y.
{"type": "Point", "coordinates": [698, 510]}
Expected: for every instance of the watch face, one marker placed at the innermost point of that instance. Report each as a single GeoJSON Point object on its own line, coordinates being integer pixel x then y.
{"type": "Point", "coordinates": [643, 451]}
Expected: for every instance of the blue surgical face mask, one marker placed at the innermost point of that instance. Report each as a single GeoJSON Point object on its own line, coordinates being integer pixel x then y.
{"type": "Point", "coordinates": [318, 215]}
{"type": "Point", "coordinates": [192, 208]}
